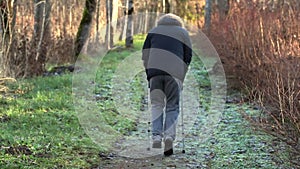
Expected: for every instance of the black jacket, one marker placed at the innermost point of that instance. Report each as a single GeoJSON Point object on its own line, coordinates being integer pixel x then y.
{"type": "Point", "coordinates": [167, 49]}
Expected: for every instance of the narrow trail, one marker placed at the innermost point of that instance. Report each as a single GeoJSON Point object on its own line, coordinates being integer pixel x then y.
{"type": "Point", "coordinates": [234, 144]}
{"type": "Point", "coordinates": [231, 143]}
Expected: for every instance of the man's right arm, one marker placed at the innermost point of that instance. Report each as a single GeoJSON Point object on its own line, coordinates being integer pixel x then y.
{"type": "Point", "coordinates": [187, 50]}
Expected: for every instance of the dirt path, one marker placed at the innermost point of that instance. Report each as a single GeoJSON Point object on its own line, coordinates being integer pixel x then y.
{"type": "Point", "coordinates": [232, 143]}
{"type": "Point", "coordinates": [213, 138]}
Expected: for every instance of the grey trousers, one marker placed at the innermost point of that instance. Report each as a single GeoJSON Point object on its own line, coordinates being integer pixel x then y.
{"type": "Point", "coordinates": [164, 94]}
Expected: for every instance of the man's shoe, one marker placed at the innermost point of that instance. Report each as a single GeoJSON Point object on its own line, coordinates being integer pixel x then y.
{"type": "Point", "coordinates": [156, 144]}
{"type": "Point", "coordinates": [168, 147]}
{"type": "Point", "coordinates": [156, 141]}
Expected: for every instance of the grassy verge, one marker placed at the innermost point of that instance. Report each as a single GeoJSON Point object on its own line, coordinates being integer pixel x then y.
{"type": "Point", "coordinates": [104, 89]}
{"type": "Point", "coordinates": [40, 128]}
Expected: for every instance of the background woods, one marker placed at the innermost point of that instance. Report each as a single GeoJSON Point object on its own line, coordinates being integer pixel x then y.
{"type": "Point", "coordinates": [40, 33]}
{"type": "Point", "coordinates": [257, 40]}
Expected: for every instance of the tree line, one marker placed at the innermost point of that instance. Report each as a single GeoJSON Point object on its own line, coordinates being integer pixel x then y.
{"type": "Point", "coordinates": [37, 33]}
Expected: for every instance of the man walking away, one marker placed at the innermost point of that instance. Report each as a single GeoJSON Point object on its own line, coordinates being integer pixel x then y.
{"type": "Point", "coordinates": [166, 56]}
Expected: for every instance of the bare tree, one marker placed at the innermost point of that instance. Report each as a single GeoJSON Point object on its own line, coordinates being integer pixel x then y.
{"type": "Point", "coordinates": [108, 22]}
{"type": "Point", "coordinates": [36, 64]}
{"type": "Point", "coordinates": [4, 10]}
{"type": "Point", "coordinates": [97, 21]}
{"type": "Point", "coordinates": [123, 21]}
{"type": "Point", "coordinates": [114, 5]}
{"type": "Point", "coordinates": [146, 19]}
{"type": "Point", "coordinates": [166, 5]}
{"type": "Point", "coordinates": [111, 22]}
{"type": "Point", "coordinates": [129, 30]}
{"type": "Point", "coordinates": [207, 23]}
{"type": "Point", "coordinates": [223, 8]}
{"type": "Point", "coordinates": [85, 26]}
{"type": "Point", "coordinates": [198, 12]}
{"type": "Point", "coordinates": [8, 19]}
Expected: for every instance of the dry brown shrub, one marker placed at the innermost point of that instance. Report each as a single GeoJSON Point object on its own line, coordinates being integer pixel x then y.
{"type": "Point", "coordinates": [260, 47]}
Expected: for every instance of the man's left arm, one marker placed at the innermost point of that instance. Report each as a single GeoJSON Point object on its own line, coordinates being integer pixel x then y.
{"type": "Point", "coordinates": [146, 51]}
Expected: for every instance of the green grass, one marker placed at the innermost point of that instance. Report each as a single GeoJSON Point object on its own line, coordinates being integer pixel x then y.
{"type": "Point", "coordinates": [40, 128]}
{"type": "Point", "coordinates": [236, 144]}
{"type": "Point", "coordinates": [41, 119]}
{"type": "Point", "coordinates": [118, 120]}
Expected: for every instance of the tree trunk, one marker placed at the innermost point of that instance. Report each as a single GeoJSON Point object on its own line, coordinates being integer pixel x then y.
{"type": "Point", "coordinates": [84, 26]}
{"type": "Point", "coordinates": [97, 22]}
{"type": "Point", "coordinates": [166, 6]}
{"type": "Point", "coordinates": [172, 6]}
{"type": "Point", "coordinates": [107, 34]}
{"type": "Point", "coordinates": [124, 21]}
{"type": "Point", "coordinates": [198, 10]}
{"type": "Point", "coordinates": [129, 31]}
{"type": "Point", "coordinates": [207, 18]}
{"type": "Point", "coordinates": [146, 18]}
{"type": "Point", "coordinates": [35, 63]}
{"type": "Point", "coordinates": [42, 35]}
{"type": "Point", "coordinates": [223, 8]}
{"type": "Point", "coordinates": [113, 20]}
